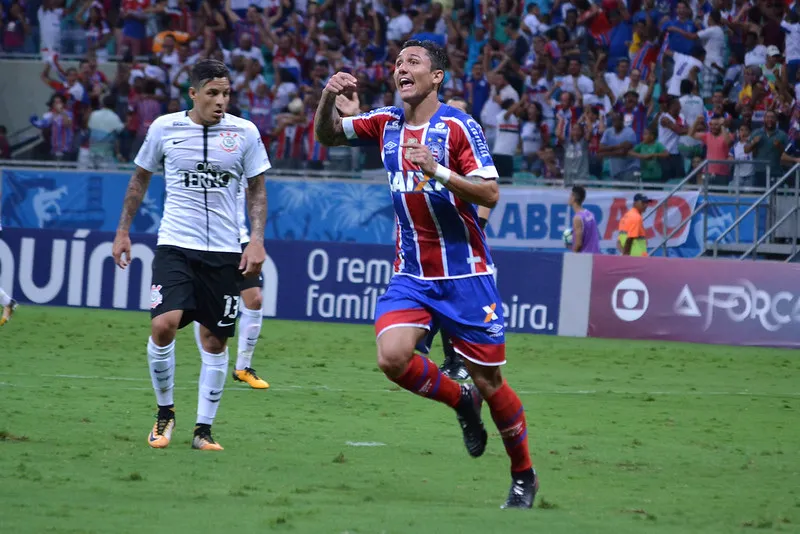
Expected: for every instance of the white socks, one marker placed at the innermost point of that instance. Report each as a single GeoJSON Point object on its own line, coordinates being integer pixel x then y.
{"type": "Point", "coordinates": [212, 382]}
{"type": "Point", "coordinates": [5, 300]}
{"type": "Point", "coordinates": [162, 371]}
{"type": "Point", "coordinates": [249, 329]}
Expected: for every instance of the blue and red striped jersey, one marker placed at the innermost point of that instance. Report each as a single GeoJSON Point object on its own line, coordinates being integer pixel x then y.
{"type": "Point", "coordinates": [439, 235]}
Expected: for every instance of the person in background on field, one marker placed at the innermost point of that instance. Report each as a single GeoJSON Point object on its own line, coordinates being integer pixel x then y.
{"type": "Point", "coordinates": [585, 234]}
{"type": "Point", "coordinates": [632, 240]}
{"type": "Point", "coordinates": [649, 152]}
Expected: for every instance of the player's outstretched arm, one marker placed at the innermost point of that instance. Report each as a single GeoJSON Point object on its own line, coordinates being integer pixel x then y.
{"type": "Point", "coordinates": [137, 188]}
{"type": "Point", "coordinates": [328, 123]}
{"type": "Point", "coordinates": [472, 189]}
{"type": "Point", "coordinates": [254, 254]}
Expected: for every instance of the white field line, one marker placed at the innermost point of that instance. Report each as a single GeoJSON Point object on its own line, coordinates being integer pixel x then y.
{"type": "Point", "coordinates": [58, 380]}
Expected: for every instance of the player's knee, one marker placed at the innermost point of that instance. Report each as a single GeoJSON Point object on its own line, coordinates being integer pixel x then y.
{"type": "Point", "coordinates": [163, 329]}
{"type": "Point", "coordinates": [393, 361]}
{"type": "Point", "coordinates": [213, 345]}
{"type": "Point", "coordinates": [487, 379]}
{"type": "Point", "coordinates": [253, 300]}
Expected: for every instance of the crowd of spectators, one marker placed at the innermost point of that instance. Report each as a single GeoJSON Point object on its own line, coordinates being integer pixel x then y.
{"type": "Point", "coordinates": [628, 90]}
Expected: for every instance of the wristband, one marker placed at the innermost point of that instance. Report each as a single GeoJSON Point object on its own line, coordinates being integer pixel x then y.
{"type": "Point", "coordinates": [482, 221]}
{"type": "Point", "coordinates": [442, 174]}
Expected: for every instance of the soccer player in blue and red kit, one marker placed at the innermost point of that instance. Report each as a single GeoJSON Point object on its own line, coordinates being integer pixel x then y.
{"type": "Point", "coordinates": [439, 168]}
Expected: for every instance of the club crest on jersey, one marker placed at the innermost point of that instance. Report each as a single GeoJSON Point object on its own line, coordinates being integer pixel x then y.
{"type": "Point", "coordinates": [155, 296]}
{"type": "Point", "coordinates": [229, 142]}
{"type": "Point", "coordinates": [437, 151]}
{"type": "Point", "coordinates": [412, 182]}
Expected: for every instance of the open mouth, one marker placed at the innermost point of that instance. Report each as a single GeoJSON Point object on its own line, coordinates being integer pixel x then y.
{"type": "Point", "coordinates": [218, 113]}
{"type": "Point", "coordinates": [405, 83]}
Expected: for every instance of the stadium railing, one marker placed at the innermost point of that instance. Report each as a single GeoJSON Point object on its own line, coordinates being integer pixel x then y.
{"type": "Point", "coordinates": [771, 196]}
{"type": "Point", "coordinates": [698, 180]}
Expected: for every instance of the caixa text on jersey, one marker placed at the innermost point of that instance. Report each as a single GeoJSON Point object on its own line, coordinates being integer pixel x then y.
{"type": "Point", "coordinates": [205, 176]}
{"type": "Point", "coordinates": [412, 182]}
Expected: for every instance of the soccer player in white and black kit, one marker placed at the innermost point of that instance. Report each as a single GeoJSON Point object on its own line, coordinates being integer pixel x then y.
{"type": "Point", "coordinates": [251, 317]}
{"type": "Point", "coordinates": [198, 262]}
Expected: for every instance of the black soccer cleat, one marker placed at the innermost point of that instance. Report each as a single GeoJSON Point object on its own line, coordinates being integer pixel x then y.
{"type": "Point", "coordinates": [523, 490]}
{"type": "Point", "coordinates": [468, 412]}
{"type": "Point", "coordinates": [458, 371]}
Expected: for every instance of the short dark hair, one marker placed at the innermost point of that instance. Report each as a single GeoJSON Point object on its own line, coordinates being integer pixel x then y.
{"type": "Point", "coordinates": [109, 102]}
{"type": "Point", "coordinates": [579, 192]}
{"type": "Point", "coordinates": [208, 69]}
{"type": "Point", "coordinates": [438, 55]}
{"type": "Point", "coordinates": [687, 86]}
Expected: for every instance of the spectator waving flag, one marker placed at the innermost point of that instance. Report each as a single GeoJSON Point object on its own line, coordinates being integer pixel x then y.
{"type": "Point", "coordinates": [644, 59]}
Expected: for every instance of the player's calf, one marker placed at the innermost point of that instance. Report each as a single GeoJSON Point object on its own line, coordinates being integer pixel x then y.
{"type": "Point", "coordinates": [509, 417]}
{"type": "Point", "coordinates": [411, 371]}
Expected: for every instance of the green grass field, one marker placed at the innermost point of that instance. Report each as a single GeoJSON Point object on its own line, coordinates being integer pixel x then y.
{"type": "Point", "coordinates": [627, 437]}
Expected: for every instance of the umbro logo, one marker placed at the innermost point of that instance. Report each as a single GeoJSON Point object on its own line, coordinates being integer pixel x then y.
{"type": "Point", "coordinates": [391, 146]}
{"type": "Point", "coordinates": [178, 141]}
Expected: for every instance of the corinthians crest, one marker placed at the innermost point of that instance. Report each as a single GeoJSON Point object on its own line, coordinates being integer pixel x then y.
{"type": "Point", "coordinates": [229, 141]}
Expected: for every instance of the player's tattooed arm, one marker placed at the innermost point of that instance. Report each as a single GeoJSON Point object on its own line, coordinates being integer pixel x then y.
{"type": "Point", "coordinates": [257, 208]}
{"type": "Point", "coordinates": [137, 188]}
{"type": "Point", "coordinates": [328, 122]}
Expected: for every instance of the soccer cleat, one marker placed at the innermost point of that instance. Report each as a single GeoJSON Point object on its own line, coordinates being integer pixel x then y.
{"type": "Point", "coordinates": [458, 371]}
{"type": "Point", "coordinates": [523, 490]}
{"type": "Point", "coordinates": [248, 375]}
{"type": "Point", "coordinates": [8, 311]}
{"type": "Point", "coordinates": [203, 441]}
{"type": "Point", "coordinates": [162, 431]}
{"type": "Point", "coordinates": [468, 412]}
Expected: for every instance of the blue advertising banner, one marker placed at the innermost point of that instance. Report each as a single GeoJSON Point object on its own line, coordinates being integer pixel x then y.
{"type": "Point", "coordinates": [353, 212]}
{"type": "Point", "coordinates": [303, 280]}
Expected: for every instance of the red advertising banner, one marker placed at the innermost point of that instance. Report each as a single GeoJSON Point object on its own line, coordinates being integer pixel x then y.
{"type": "Point", "coordinates": [702, 301]}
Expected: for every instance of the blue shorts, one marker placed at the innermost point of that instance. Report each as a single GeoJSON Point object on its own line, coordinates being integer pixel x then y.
{"type": "Point", "coordinates": [468, 309]}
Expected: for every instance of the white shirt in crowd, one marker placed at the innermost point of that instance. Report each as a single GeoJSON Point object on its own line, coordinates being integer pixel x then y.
{"type": "Point", "coordinates": [398, 27]}
{"type": "Point", "coordinates": [253, 53]}
{"type": "Point", "coordinates": [585, 84]}
{"type": "Point", "coordinates": [757, 56]}
{"type": "Point", "coordinates": [203, 171]}
{"type": "Point", "coordinates": [492, 108]}
{"type": "Point", "coordinates": [50, 28]}
{"type": "Point", "coordinates": [683, 67]}
{"type": "Point", "coordinates": [618, 86]}
{"type": "Point", "coordinates": [792, 51]}
{"type": "Point", "coordinates": [531, 134]}
{"type": "Point", "coordinates": [507, 138]}
{"type": "Point", "coordinates": [714, 42]}
{"type": "Point", "coordinates": [738, 153]}
{"type": "Point", "coordinates": [667, 137]}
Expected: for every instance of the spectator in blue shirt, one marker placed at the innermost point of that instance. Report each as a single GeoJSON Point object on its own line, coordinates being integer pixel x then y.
{"type": "Point", "coordinates": [677, 42]}
{"type": "Point", "coordinates": [477, 89]}
{"type": "Point", "coordinates": [619, 37]}
{"type": "Point", "coordinates": [430, 33]}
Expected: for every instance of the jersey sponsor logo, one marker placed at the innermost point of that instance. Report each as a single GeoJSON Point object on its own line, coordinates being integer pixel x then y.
{"type": "Point", "coordinates": [412, 182]}
{"type": "Point", "coordinates": [438, 128]}
{"type": "Point", "coordinates": [437, 151]}
{"type": "Point", "coordinates": [229, 142]}
{"type": "Point", "coordinates": [177, 123]}
{"type": "Point", "coordinates": [156, 298]}
{"type": "Point", "coordinates": [477, 138]}
{"type": "Point", "coordinates": [490, 313]}
{"type": "Point", "coordinates": [394, 125]}
{"type": "Point", "coordinates": [205, 176]}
